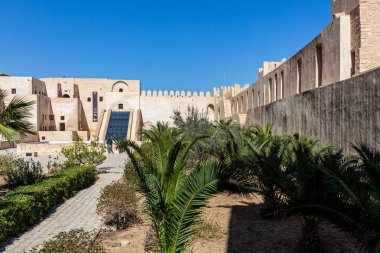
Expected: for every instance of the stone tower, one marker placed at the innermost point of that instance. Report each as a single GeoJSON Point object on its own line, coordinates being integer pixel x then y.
{"type": "Point", "coordinates": [365, 31]}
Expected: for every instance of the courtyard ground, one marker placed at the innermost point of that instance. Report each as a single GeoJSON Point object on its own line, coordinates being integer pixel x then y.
{"type": "Point", "coordinates": [239, 229]}
{"type": "Point", "coordinates": [77, 212]}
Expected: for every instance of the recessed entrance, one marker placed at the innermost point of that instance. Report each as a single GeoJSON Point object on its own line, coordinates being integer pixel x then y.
{"type": "Point", "coordinates": [118, 126]}
{"type": "Point", "coordinates": [62, 127]}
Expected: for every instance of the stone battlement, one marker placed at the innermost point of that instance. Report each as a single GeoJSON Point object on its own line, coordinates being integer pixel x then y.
{"type": "Point", "coordinates": [172, 93]}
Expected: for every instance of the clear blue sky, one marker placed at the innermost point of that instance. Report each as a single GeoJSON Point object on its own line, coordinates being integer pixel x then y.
{"type": "Point", "coordinates": [179, 45]}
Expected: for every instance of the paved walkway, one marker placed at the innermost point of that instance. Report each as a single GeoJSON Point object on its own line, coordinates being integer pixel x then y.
{"type": "Point", "coordinates": [77, 212]}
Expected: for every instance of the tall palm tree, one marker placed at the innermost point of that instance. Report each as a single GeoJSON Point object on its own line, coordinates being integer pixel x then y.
{"type": "Point", "coordinates": [174, 192]}
{"type": "Point", "coordinates": [14, 118]}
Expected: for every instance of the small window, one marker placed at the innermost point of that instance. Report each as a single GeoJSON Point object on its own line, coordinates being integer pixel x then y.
{"type": "Point", "coordinates": [13, 91]}
{"type": "Point", "coordinates": [120, 90]}
{"type": "Point", "coordinates": [120, 106]}
{"type": "Point", "coordinates": [62, 117]}
{"type": "Point", "coordinates": [51, 117]}
{"type": "Point", "coordinates": [88, 99]}
{"type": "Point", "coordinates": [43, 138]}
{"type": "Point", "coordinates": [101, 99]}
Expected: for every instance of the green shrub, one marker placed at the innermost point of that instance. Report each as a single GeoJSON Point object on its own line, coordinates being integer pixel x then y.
{"type": "Point", "coordinates": [23, 172]}
{"type": "Point", "coordinates": [6, 162]}
{"type": "Point", "coordinates": [81, 153]}
{"type": "Point", "coordinates": [118, 205]}
{"type": "Point", "coordinates": [26, 205]}
{"type": "Point", "coordinates": [130, 174]}
{"type": "Point", "coordinates": [74, 241]}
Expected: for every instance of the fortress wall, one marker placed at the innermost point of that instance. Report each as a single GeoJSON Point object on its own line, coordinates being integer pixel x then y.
{"type": "Point", "coordinates": [300, 73]}
{"type": "Point", "coordinates": [342, 113]}
{"type": "Point", "coordinates": [156, 107]}
{"type": "Point", "coordinates": [23, 85]}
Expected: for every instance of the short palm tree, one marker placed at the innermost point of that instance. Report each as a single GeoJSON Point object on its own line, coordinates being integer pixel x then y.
{"type": "Point", "coordinates": [354, 200]}
{"type": "Point", "coordinates": [14, 118]}
{"type": "Point", "coordinates": [174, 192]}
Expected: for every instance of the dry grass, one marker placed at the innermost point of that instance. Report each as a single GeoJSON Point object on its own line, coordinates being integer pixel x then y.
{"type": "Point", "coordinates": [232, 224]}
{"type": "Point", "coordinates": [209, 229]}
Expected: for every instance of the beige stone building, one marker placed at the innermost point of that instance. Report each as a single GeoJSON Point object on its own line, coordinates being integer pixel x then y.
{"type": "Point", "coordinates": [349, 46]}
{"type": "Point", "coordinates": [74, 107]}
{"type": "Point", "coordinates": [68, 108]}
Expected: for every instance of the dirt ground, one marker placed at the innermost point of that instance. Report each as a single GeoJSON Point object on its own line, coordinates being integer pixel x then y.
{"type": "Point", "coordinates": [240, 229]}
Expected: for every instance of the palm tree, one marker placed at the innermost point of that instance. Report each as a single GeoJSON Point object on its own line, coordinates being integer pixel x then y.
{"type": "Point", "coordinates": [14, 118]}
{"type": "Point", "coordinates": [353, 202]}
{"type": "Point", "coordinates": [288, 179]}
{"type": "Point", "coordinates": [174, 192]}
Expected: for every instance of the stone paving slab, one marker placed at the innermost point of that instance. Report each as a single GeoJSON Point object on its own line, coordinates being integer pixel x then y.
{"type": "Point", "coordinates": [77, 212]}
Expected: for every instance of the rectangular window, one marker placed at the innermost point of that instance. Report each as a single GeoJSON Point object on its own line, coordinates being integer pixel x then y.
{"type": "Point", "coordinates": [270, 90]}
{"type": "Point", "coordinates": [101, 99]}
{"type": "Point", "coordinates": [319, 65]}
{"type": "Point", "coordinates": [88, 99]}
{"type": "Point", "coordinates": [353, 63]}
{"type": "Point", "coordinates": [275, 88]}
{"type": "Point", "coordinates": [253, 99]}
{"type": "Point", "coordinates": [13, 91]}
{"type": "Point", "coordinates": [43, 138]}
{"type": "Point", "coordinates": [282, 85]}
{"type": "Point", "coordinates": [120, 106]}
{"type": "Point", "coordinates": [62, 117]}
{"type": "Point", "coordinates": [299, 76]}
{"type": "Point", "coordinates": [51, 117]}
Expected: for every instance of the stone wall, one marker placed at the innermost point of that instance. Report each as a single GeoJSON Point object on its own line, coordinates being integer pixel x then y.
{"type": "Point", "coordinates": [342, 113]}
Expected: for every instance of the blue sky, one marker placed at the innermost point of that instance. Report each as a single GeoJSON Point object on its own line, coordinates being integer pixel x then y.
{"type": "Point", "coordinates": [178, 45]}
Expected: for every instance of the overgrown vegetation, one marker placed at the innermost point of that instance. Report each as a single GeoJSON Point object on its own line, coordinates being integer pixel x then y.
{"type": "Point", "coordinates": [174, 193]}
{"type": "Point", "coordinates": [81, 153]}
{"type": "Point", "coordinates": [74, 241]}
{"type": "Point", "coordinates": [6, 162]}
{"type": "Point", "coordinates": [118, 205]}
{"type": "Point", "coordinates": [21, 172]}
{"type": "Point", "coordinates": [179, 168]}
{"type": "Point", "coordinates": [26, 205]}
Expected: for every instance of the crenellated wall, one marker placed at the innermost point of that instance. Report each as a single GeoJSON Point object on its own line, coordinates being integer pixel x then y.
{"type": "Point", "coordinates": [160, 105]}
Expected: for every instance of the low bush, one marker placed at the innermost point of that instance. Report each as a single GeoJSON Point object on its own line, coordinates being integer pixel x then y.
{"type": "Point", "coordinates": [6, 162]}
{"type": "Point", "coordinates": [118, 205]}
{"type": "Point", "coordinates": [81, 153]}
{"type": "Point", "coordinates": [22, 172]}
{"type": "Point", "coordinates": [130, 174]}
{"type": "Point", "coordinates": [26, 205]}
{"type": "Point", "coordinates": [74, 241]}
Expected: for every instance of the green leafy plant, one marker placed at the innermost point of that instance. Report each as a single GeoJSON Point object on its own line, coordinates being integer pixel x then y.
{"type": "Point", "coordinates": [81, 153]}
{"type": "Point", "coordinates": [6, 162]}
{"type": "Point", "coordinates": [14, 118]}
{"type": "Point", "coordinates": [23, 172]}
{"type": "Point", "coordinates": [118, 205]}
{"type": "Point", "coordinates": [77, 240]}
{"type": "Point", "coordinates": [174, 193]}
{"type": "Point", "coordinates": [26, 205]}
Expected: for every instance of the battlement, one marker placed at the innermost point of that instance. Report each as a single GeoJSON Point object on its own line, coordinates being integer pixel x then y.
{"type": "Point", "coordinates": [172, 93]}
{"type": "Point", "coordinates": [230, 91]}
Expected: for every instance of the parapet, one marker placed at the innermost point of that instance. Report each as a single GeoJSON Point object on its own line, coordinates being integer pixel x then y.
{"type": "Point", "coordinates": [165, 93]}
